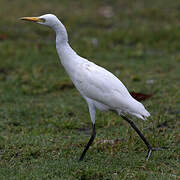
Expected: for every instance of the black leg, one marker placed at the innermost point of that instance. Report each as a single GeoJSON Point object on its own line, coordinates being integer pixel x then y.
{"type": "Point", "coordinates": [89, 143]}
{"type": "Point", "coordinates": [150, 149]}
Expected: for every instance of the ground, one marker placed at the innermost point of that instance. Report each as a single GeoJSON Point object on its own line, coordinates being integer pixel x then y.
{"type": "Point", "coordinates": [44, 122]}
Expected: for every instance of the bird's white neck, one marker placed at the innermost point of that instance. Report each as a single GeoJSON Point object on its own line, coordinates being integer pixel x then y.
{"type": "Point", "coordinates": [61, 33]}
{"type": "Point", "coordinates": [66, 53]}
{"type": "Point", "coordinates": [62, 44]}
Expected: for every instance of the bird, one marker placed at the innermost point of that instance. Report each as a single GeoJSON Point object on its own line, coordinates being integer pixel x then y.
{"type": "Point", "coordinates": [100, 88]}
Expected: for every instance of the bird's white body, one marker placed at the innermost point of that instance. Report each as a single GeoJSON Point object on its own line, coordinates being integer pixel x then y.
{"type": "Point", "coordinates": [100, 88]}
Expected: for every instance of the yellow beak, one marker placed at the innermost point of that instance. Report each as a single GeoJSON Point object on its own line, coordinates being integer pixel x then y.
{"type": "Point", "coordinates": [34, 19]}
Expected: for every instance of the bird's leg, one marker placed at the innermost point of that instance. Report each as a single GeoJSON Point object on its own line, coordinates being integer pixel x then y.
{"type": "Point", "coordinates": [150, 148]}
{"type": "Point", "coordinates": [89, 143]}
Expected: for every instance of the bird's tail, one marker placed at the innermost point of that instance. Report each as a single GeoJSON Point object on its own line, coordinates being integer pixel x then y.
{"type": "Point", "coordinates": [139, 111]}
{"type": "Point", "coordinates": [143, 115]}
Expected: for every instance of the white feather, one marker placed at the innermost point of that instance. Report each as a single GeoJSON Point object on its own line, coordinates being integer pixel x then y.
{"type": "Point", "coordinates": [99, 87]}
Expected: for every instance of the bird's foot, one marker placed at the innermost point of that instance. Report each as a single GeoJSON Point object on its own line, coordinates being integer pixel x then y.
{"type": "Point", "coordinates": [150, 149]}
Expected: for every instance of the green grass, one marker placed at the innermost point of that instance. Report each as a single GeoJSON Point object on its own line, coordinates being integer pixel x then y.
{"type": "Point", "coordinates": [44, 122]}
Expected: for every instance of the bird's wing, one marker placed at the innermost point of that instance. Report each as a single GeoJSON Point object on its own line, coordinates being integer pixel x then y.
{"type": "Point", "coordinates": [101, 85]}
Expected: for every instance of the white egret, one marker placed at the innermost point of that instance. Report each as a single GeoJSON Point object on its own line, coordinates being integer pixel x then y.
{"type": "Point", "coordinates": [100, 88]}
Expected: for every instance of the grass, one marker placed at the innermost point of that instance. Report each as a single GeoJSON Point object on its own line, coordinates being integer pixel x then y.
{"type": "Point", "coordinates": [44, 122]}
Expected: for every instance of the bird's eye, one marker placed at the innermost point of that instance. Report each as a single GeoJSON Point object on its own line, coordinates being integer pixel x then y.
{"type": "Point", "coordinates": [42, 20]}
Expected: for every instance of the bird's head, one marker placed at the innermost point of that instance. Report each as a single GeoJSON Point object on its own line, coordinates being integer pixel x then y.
{"type": "Point", "coordinates": [53, 22]}
{"type": "Point", "coordinates": [47, 19]}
